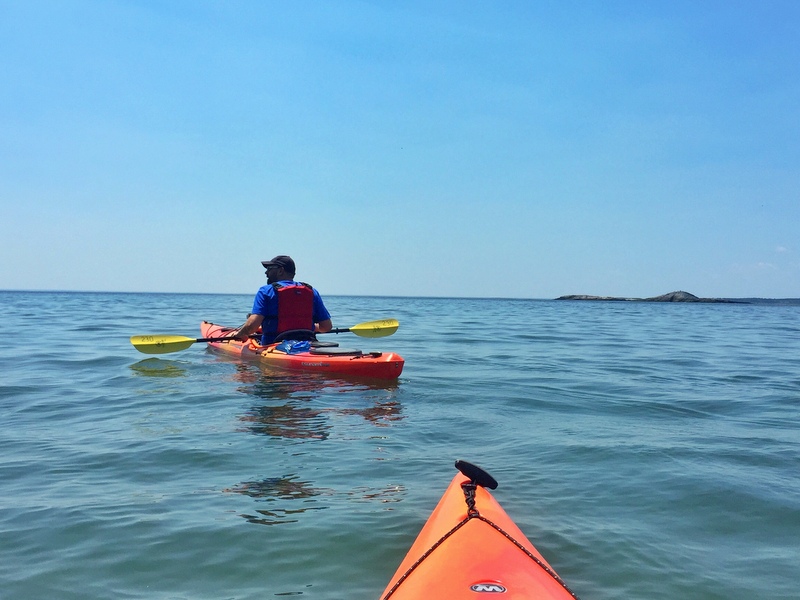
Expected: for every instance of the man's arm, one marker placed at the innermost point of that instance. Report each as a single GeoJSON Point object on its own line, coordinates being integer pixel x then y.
{"type": "Point", "coordinates": [252, 323]}
{"type": "Point", "coordinates": [323, 326]}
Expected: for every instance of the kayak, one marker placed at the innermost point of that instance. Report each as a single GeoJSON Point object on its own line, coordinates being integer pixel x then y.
{"type": "Point", "coordinates": [325, 358]}
{"type": "Point", "coordinates": [470, 547]}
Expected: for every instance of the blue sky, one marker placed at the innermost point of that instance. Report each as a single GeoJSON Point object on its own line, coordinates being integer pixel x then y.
{"type": "Point", "coordinates": [519, 149]}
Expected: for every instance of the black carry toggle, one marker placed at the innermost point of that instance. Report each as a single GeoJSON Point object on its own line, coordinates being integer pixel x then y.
{"type": "Point", "coordinates": [477, 477]}
{"type": "Point", "coordinates": [476, 474]}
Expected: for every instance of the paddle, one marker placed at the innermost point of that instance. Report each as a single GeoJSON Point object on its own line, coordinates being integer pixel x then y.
{"type": "Point", "coordinates": [164, 344]}
{"type": "Point", "coordinates": [371, 329]}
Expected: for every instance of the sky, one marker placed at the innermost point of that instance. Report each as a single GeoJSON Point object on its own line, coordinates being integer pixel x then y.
{"type": "Point", "coordinates": [442, 148]}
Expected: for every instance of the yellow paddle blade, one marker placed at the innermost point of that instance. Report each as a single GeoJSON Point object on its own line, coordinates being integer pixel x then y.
{"type": "Point", "coordinates": [376, 329]}
{"type": "Point", "coordinates": [161, 344]}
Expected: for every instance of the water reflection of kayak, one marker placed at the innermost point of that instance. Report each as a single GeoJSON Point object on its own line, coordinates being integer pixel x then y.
{"type": "Point", "coordinates": [470, 548]}
{"type": "Point", "coordinates": [330, 360]}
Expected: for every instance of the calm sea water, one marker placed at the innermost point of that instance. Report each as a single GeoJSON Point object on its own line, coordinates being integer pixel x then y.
{"type": "Point", "coordinates": [648, 450]}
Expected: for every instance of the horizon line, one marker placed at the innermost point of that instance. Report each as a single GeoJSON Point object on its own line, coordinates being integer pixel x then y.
{"type": "Point", "coordinates": [55, 291]}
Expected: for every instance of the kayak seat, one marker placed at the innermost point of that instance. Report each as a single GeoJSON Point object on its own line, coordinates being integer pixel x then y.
{"type": "Point", "coordinates": [296, 335]}
{"type": "Point", "coordinates": [335, 351]}
{"type": "Point", "coordinates": [316, 344]}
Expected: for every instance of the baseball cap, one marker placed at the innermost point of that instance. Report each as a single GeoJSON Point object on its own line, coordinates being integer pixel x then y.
{"type": "Point", "coordinates": [280, 261]}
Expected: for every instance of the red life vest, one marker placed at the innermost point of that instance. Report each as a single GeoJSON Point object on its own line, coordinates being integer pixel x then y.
{"type": "Point", "coordinates": [295, 306]}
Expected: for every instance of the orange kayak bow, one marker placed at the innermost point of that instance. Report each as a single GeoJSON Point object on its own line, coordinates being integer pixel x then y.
{"type": "Point", "coordinates": [471, 549]}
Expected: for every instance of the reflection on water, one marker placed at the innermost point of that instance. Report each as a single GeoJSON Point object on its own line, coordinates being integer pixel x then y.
{"type": "Point", "coordinates": [279, 488]}
{"type": "Point", "coordinates": [276, 517]}
{"type": "Point", "coordinates": [393, 493]}
{"type": "Point", "coordinates": [275, 489]}
{"type": "Point", "coordinates": [293, 421]}
{"type": "Point", "coordinates": [304, 407]}
{"type": "Point", "coordinates": [271, 384]}
{"type": "Point", "coordinates": [286, 421]}
{"type": "Point", "coordinates": [156, 367]}
{"type": "Point", "coordinates": [382, 414]}
{"type": "Point", "coordinates": [291, 418]}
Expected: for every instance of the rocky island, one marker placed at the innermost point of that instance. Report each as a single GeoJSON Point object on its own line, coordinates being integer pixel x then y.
{"type": "Point", "coordinates": [671, 297]}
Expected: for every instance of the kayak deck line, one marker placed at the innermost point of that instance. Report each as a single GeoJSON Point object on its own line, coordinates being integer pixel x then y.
{"type": "Point", "coordinates": [477, 477]}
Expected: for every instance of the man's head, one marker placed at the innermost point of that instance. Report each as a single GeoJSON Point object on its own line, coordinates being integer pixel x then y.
{"type": "Point", "coordinates": [279, 268]}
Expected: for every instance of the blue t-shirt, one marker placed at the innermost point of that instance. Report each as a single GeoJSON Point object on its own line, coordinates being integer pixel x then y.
{"type": "Point", "coordinates": [266, 304]}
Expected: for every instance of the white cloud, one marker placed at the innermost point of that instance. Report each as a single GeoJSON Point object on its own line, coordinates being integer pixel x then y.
{"type": "Point", "coordinates": [751, 268]}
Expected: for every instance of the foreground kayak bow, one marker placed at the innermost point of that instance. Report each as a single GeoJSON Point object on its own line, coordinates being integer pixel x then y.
{"type": "Point", "coordinates": [470, 546]}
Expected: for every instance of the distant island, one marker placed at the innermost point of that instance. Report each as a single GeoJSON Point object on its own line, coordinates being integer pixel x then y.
{"type": "Point", "coordinates": [671, 297]}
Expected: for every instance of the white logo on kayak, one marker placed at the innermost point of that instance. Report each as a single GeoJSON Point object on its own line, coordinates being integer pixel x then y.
{"type": "Point", "coordinates": [488, 587]}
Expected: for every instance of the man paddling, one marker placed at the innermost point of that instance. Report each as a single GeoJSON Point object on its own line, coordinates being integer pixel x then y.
{"type": "Point", "coordinates": [285, 305]}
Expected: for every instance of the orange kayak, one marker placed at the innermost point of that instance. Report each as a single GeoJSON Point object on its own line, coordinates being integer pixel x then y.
{"type": "Point", "coordinates": [323, 359]}
{"type": "Point", "coordinates": [470, 548]}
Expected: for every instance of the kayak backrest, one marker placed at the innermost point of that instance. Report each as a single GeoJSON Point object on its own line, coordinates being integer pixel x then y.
{"type": "Point", "coordinates": [300, 335]}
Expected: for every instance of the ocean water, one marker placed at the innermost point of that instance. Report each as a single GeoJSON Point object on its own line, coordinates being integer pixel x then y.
{"type": "Point", "coordinates": [648, 450]}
